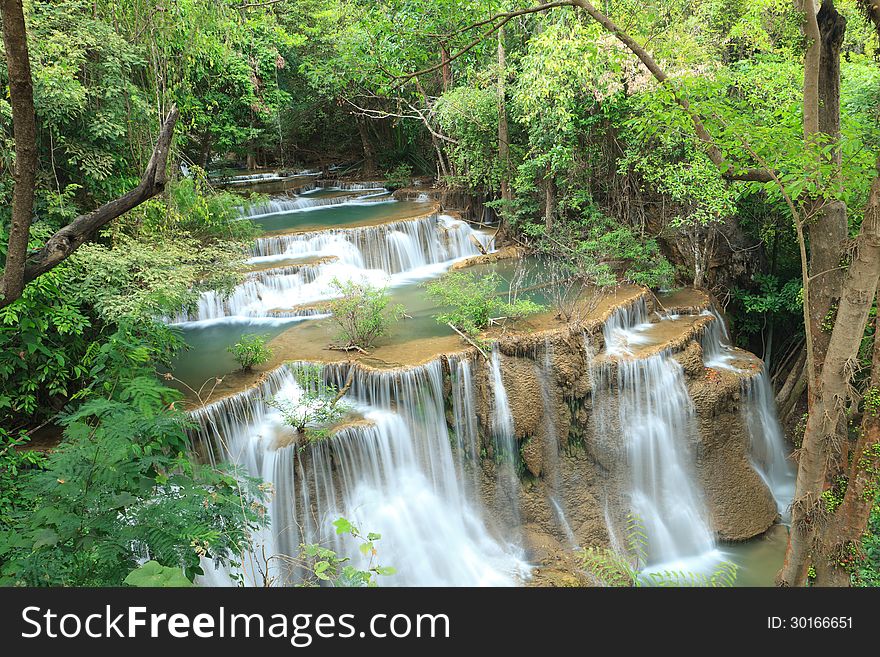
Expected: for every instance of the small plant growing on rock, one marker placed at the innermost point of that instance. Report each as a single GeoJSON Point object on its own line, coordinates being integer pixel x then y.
{"type": "Point", "coordinates": [317, 409]}
{"type": "Point", "coordinates": [250, 350]}
{"type": "Point", "coordinates": [363, 313]}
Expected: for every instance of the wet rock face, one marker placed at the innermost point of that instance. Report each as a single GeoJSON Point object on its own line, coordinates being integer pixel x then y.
{"type": "Point", "coordinates": [572, 463]}
{"type": "Point", "coordinates": [740, 503]}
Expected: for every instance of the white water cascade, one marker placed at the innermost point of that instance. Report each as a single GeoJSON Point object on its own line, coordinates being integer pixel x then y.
{"type": "Point", "coordinates": [655, 423]}
{"type": "Point", "coordinates": [768, 450]}
{"type": "Point", "coordinates": [383, 255]}
{"type": "Point", "coordinates": [645, 416]}
{"type": "Point", "coordinates": [393, 473]}
{"type": "Point", "coordinates": [305, 203]}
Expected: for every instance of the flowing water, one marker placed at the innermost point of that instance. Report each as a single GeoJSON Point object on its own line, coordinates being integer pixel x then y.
{"type": "Point", "coordinates": [403, 464]}
{"type": "Point", "coordinates": [643, 405]}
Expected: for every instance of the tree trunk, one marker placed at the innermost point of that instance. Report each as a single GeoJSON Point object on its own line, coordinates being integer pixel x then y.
{"type": "Point", "coordinates": [369, 169]}
{"type": "Point", "coordinates": [25, 134]}
{"type": "Point", "coordinates": [826, 425]}
{"type": "Point", "coordinates": [446, 69]}
{"type": "Point", "coordinates": [549, 199]}
{"type": "Point", "coordinates": [841, 540]}
{"type": "Point", "coordinates": [503, 143]}
{"type": "Point", "coordinates": [826, 431]}
{"type": "Point", "coordinates": [828, 230]}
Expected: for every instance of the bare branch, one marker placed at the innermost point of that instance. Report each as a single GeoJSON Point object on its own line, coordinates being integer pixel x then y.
{"type": "Point", "coordinates": [67, 240]}
{"type": "Point", "coordinates": [504, 18]}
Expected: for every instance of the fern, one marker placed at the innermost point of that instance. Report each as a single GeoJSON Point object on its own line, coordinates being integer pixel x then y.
{"type": "Point", "coordinates": [610, 568]}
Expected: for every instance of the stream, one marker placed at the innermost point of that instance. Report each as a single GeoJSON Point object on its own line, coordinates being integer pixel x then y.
{"type": "Point", "coordinates": [406, 468]}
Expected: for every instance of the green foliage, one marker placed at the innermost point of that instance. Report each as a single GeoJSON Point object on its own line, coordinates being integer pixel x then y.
{"type": "Point", "coordinates": [400, 176]}
{"type": "Point", "coordinates": [470, 116]}
{"type": "Point", "coordinates": [120, 486]}
{"type": "Point", "coordinates": [250, 350]}
{"type": "Point", "coordinates": [611, 568]}
{"type": "Point", "coordinates": [868, 572]}
{"type": "Point", "coordinates": [474, 301]}
{"type": "Point", "coordinates": [155, 575]}
{"type": "Point", "coordinates": [317, 408]}
{"type": "Point", "coordinates": [328, 568]}
{"type": "Point", "coordinates": [362, 312]}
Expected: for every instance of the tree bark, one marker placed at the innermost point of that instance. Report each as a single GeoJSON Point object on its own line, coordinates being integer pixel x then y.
{"type": "Point", "coordinates": [503, 142]}
{"type": "Point", "coordinates": [26, 160]}
{"type": "Point", "coordinates": [446, 68]}
{"type": "Point", "coordinates": [826, 425]}
{"type": "Point", "coordinates": [369, 168]}
{"type": "Point", "coordinates": [68, 239]}
{"type": "Point", "coordinates": [841, 540]}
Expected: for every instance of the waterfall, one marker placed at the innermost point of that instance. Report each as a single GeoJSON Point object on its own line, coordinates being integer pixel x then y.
{"type": "Point", "coordinates": [464, 416]}
{"type": "Point", "coordinates": [768, 450]}
{"type": "Point", "coordinates": [502, 419]}
{"type": "Point", "coordinates": [623, 328]}
{"type": "Point", "coordinates": [392, 247]}
{"type": "Point", "coordinates": [645, 418]}
{"type": "Point", "coordinates": [362, 186]}
{"type": "Point", "coordinates": [654, 423]}
{"type": "Point", "coordinates": [393, 473]}
{"type": "Point", "coordinates": [505, 448]}
{"type": "Point", "coordinates": [286, 205]}
{"type": "Point", "coordinates": [715, 341]}
{"type": "Point", "coordinates": [382, 255]}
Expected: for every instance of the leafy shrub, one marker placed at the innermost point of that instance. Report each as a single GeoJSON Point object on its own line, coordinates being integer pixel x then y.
{"type": "Point", "coordinates": [120, 486]}
{"type": "Point", "coordinates": [250, 350]}
{"type": "Point", "coordinates": [474, 300]}
{"type": "Point", "coordinates": [362, 312]}
{"type": "Point", "coordinates": [399, 176]}
{"type": "Point", "coordinates": [318, 408]}
{"type": "Point", "coordinates": [326, 566]}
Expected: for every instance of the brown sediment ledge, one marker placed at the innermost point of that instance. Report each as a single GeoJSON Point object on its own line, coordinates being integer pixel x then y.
{"type": "Point", "coordinates": [687, 300]}
{"type": "Point", "coordinates": [309, 341]}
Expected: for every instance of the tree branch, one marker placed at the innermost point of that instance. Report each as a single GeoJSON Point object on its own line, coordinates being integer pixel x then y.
{"type": "Point", "coordinates": [504, 18]}
{"type": "Point", "coordinates": [68, 239]}
{"type": "Point", "coordinates": [715, 154]}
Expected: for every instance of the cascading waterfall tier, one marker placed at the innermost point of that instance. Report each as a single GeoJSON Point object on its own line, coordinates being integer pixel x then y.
{"type": "Point", "coordinates": [384, 254]}
{"type": "Point", "coordinates": [305, 203]}
{"type": "Point", "coordinates": [392, 247]}
{"type": "Point", "coordinates": [393, 472]}
{"type": "Point", "coordinates": [645, 417]}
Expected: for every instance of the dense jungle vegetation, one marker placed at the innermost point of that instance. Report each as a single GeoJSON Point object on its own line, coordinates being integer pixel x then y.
{"type": "Point", "coordinates": [726, 144]}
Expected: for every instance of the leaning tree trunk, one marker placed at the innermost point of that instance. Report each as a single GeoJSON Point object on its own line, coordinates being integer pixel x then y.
{"type": "Point", "coordinates": [25, 135]}
{"type": "Point", "coordinates": [838, 536]}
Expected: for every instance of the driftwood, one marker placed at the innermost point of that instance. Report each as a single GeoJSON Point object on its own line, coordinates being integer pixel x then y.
{"type": "Point", "coordinates": [345, 388]}
{"type": "Point", "coordinates": [350, 347]}
{"type": "Point", "coordinates": [469, 340]}
{"type": "Point", "coordinates": [477, 244]}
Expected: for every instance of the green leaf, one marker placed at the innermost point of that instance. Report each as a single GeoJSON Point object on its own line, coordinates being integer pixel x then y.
{"type": "Point", "coordinates": [45, 537]}
{"type": "Point", "coordinates": [154, 574]}
{"type": "Point", "coordinates": [343, 526]}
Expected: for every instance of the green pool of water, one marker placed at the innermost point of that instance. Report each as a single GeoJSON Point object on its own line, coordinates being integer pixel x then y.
{"type": "Point", "coordinates": [336, 216]}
